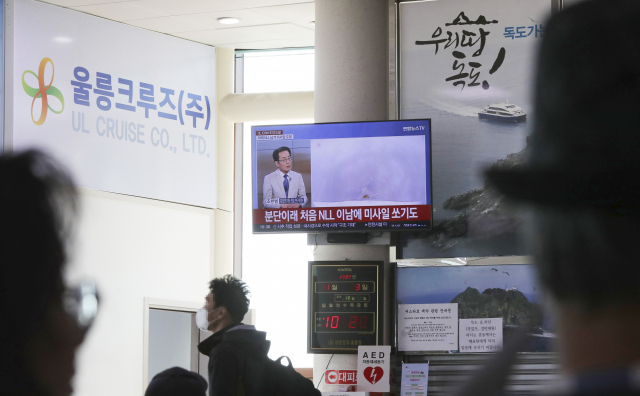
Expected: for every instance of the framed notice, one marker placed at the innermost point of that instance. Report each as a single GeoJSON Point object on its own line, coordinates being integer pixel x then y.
{"type": "Point", "coordinates": [492, 303]}
{"type": "Point", "coordinates": [428, 327]}
{"type": "Point", "coordinates": [468, 66]}
{"type": "Point", "coordinates": [480, 335]}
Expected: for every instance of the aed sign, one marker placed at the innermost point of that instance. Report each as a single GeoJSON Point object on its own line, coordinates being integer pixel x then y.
{"type": "Point", "coordinates": [340, 377]}
{"type": "Point", "coordinates": [373, 368]}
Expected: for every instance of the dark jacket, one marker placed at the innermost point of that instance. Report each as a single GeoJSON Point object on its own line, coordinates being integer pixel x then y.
{"type": "Point", "coordinates": [235, 354]}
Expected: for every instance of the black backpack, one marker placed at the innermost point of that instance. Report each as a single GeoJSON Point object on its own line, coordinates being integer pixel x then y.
{"type": "Point", "coordinates": [279, 380]}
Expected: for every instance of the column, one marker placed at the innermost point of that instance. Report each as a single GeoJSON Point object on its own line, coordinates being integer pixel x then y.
{"type": "Point", "coordinates": [351, 84]}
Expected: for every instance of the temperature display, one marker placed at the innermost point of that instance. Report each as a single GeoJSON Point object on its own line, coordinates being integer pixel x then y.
{"type": "Point", "coordinates": [345, 297]}
{"type": "Point", "coordinates": [330, 322]}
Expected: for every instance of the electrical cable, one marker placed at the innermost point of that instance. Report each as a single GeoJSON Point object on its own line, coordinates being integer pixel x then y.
{"type": "Point", "coordinates": [325, 370]}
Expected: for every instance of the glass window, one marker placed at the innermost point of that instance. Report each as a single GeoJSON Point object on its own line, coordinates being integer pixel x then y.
{"type": "Point", "coordinates": [278, 71]}
{"type": "Point", "coordinates": [275, 266]}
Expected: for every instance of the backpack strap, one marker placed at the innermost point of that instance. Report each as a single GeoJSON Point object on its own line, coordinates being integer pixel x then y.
{"type": "Point", "coordinates": [240, 386]}
{"type": "Point", "coordinates": [242, 363]}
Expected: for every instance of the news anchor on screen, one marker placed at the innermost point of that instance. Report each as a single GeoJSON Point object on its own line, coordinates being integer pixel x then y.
{"type": "Point", "coordinates": [283, 183]}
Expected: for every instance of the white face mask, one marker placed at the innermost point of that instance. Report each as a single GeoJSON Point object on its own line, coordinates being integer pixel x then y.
{"type": "Point", "coordinates": [202, 319]}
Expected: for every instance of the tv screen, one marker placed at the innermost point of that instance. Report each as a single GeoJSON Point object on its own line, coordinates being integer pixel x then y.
{"type": "Point", "coordinates": [342, 177]}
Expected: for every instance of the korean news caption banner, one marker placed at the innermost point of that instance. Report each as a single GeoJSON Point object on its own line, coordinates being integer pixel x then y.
{"type": "Point", "coordinates": [342, 177]}
{"type": "Point", "coordinates": [468, 65]}
{"type": "Point", "coordinates": [126, 110]}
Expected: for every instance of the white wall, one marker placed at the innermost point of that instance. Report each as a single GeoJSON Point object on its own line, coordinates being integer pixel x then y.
{"type": "Point", "coordinates": [134, 248]}
{"type": "Point", "coordinates": [169, 340]}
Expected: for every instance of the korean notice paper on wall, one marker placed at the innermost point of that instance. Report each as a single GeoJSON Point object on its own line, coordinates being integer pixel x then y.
{"type": "Point", "coordinates": [428, 327]}
{"type": "Point", "coordinates": [481, 335]}
{"type": "Point", "coordinates": [415, 377]}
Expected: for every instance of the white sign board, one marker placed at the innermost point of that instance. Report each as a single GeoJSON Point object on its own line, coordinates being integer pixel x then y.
{"type": "Point", "coordinates": [125, 109]}
{"type": "Point", "coordinates": [481, 335]}
{"type": "Point", "coordinates": [415, 378]}
{"type": "Point", "coordinates": [427, 327]}
{"type": "Point", "coordinates": [374, 368]}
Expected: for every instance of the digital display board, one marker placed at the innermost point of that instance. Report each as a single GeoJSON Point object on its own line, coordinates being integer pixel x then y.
{"type": "Point", "coordinates": [344, 305]}
{"type": "Point", "coordinates": [342, 177]}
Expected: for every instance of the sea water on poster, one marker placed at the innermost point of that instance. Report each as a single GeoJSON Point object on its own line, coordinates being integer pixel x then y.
{"type": "Point", "coordinates": [428, 327]}
{"type": "Point", "coordinates": [451, 81]}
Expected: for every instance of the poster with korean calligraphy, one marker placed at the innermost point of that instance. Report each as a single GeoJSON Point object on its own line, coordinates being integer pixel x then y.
{"type": "Point", "coordinates": [468, 65]}
{"type": "Point", "coordinates": [126, 110]}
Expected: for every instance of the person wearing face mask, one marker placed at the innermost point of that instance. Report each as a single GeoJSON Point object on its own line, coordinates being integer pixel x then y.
{"type": "Point", "coordinates": [232, 344]}
{"type": "Point", "coordinates": [238, 361]}
{"type": "Point", "coordinates": [42, 321]}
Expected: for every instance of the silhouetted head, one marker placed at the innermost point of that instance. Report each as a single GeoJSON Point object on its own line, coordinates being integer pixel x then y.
{"type": "Point", "coordinates": [583, 175]}
{"type": "Point", "coordinates": [38, 338]}
{"type": "Point", "coordinates": [177, 381]}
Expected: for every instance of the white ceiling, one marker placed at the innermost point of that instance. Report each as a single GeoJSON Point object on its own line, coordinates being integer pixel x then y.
{"type": "Point", "coordinates": [264, 23]}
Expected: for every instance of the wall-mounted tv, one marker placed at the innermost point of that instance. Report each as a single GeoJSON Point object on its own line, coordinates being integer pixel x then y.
{"type": "Point", "coordinates": [342, 177]}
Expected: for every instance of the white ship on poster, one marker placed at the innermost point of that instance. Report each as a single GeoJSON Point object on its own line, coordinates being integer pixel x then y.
{"type": "Point", "coordinates": [505, 112]}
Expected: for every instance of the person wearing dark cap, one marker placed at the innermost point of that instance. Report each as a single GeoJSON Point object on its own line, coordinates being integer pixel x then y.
{"type": "Point", "coordinates": [177, 381]}
{"type": "Point", "coordinates": [582, 182]}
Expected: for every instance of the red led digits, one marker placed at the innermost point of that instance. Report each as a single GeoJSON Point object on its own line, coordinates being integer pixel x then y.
{"type": "Point", "coordinates": [350, 322]}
